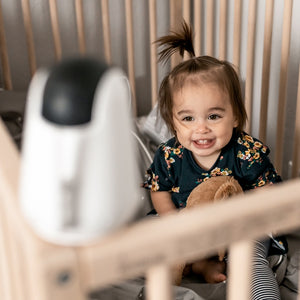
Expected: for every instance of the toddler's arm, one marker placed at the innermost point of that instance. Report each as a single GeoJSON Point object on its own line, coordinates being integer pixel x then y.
{"type": "Point", "coordinates": [162, 202]}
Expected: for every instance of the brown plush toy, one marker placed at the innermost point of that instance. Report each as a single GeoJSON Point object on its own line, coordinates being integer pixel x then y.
{"type": "Point", "coordinates": [213, 189]}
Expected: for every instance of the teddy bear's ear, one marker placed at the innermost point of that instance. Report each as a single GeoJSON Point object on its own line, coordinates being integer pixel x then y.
{"type": "Point", "coordinates": [226, 190]}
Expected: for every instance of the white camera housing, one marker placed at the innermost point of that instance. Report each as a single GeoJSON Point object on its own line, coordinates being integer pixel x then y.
{"type": "Point", "coordinates": [79, 171]}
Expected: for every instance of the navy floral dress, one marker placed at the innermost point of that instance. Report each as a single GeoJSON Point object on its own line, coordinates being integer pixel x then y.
{"type": "Point", "coordinates": [175, 170]}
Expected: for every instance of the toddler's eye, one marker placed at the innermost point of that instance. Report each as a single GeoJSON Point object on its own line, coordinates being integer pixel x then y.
{"type": "Point", "coordinates": [214, 117]}
{"type": "Point", "coordinates": [188, 118]}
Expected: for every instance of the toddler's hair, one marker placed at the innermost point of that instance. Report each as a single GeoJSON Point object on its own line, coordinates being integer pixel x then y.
{"type": "Point", "coordinates": [196, 70]}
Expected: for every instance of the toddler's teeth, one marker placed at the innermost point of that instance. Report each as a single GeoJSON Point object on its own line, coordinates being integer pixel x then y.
{"type": "Point", "coordinates": [202, 142]}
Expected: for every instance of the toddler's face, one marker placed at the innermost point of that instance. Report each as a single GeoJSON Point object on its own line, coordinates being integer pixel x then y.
{"type": "Point", "coordinates": [203, 120]}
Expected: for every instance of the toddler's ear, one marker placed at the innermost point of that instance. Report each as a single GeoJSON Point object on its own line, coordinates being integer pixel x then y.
{"type": "Point", "coordinates": [236, 123]}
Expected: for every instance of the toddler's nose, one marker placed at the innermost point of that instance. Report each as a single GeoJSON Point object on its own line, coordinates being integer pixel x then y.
{"type": "Point", "coordinates": [201, 127]}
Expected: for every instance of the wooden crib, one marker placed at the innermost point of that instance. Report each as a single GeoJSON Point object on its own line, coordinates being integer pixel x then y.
{"type": "Point", "coordinates": [31, 268]}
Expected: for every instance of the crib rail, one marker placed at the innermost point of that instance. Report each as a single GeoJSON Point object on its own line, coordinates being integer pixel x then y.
{"type": "Point", "coordinates": [156, 243]}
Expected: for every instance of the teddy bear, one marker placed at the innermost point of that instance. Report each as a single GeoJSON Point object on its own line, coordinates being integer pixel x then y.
{"type": "Point", "coordinates": [213, 189]}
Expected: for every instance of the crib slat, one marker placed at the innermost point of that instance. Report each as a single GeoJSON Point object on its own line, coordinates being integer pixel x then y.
{"type": "Point", "coordinates": [130, 52]}
{"type": "Point", "coordinates": [153, 52]}
{"type": "Point", "coordinates": [198, 26]}
{"type": "Point", "coordinates": [80, 26]}
{"type": "Point", "coordinates": [52, 271]}
{"type": "Point", "coordinates": [285, 53]}
{"type": "Point", "coordinates": [237, 33]}
{"type": "Point", "coordinates": [209, 41]}
{"type": "Point", "coordinates": [175, 16]}
{"type": "Point", "coordinates": [29, 35]}
{"type": "Point", "coordinates": [223, 29]}
{"type": "Point", "coordinates": [62, 278]}
{"type": "Point", "coordinates": [11, 248]}
{"type": "Point", "coordinates": [296, 150]}
{"type": "Point", "coordinates": [15, 257]}
{"type": "Point", "coordinates": [55, 29]}
{"type": "Point", "coordinates": [298, 296]}
{"type": "Point", "coordinates": [186, 10]}
{"type": "Point", "coordinates": [6, 289]}
{"type": "Point", "coordinates": [4, 55]}
{"type": "Point", "coordinates": [106, 30]}
{"type": "Point", "coordinates": [240, 257]}
{"type": "Point", "coordinates": [266, 69]}
{"type": "Point", "coordinates": [159, 283]}
{"type": "Point", "coordinates": [186, 13]}
{"type": "Point", "coordinates": [250, 62]}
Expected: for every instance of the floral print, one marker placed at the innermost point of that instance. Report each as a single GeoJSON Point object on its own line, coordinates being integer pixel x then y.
{"type": "Point", "coordinates": [268, 177]}
{"type": "Point", "coordinates": [151, 181]}
{"type": "Point", "coordinates": [175, 170]}
{"type": "Point", "coordinates": [252, 151]}
{"type": "Point", "coordinates": [215, 172]}
{"type": "Point", "coordinates": [170, 153]}
{"type": "Point", "coordinates": [175, 189]}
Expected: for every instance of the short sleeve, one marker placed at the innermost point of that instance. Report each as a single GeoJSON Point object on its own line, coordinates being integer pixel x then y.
{"type": "Point", "coordinates": [160, 175]}
{"type": "Point", "coordinates": [255, 165]}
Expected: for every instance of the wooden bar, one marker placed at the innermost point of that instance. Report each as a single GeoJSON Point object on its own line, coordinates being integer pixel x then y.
{"type": "Point", "coordinates": [209, 40]}
{"type": "Point", "coordinates": [80, 26]}
{"type": "Point", "coordinates": [198, 27]}
{"type": "Point", "coordinates": [209, 228]}
{"type": "Point", "coordinates": [153, 51]}
{"type": "Point", "coordinates": [298, 296]}
{"type": "Point", "coordinates": [285, 53]}
{"type": "Point", "coordinates": [237, 25]}
{"type": "Point", "coordinates": [106, 30]}
{"type": "Point", "coordinates": [6, 274]}
{"type": "Point", "coordinates": [186, 13]}
{"type": "Point", "coordinates": [223, 30]}
{"type": "Point", "coordinates": [159, 283]}
{"type": "Point", "coordinates": [4, 55]}
{"type": "Point", "coordinates": [175, 16]}
{"type": "Point", "coordinates": [55, 29]}
{"type": "Point", "coordinates": [266, 70]}
{"type": "Point", "coordinates": [29, 35]}
{"type": "Point", "coordinates": [15, 245]}
{"type": "Point", "coordinates": [130, 52]}
{"type": "Point", "coordinates": [62, 278]}
{"type": "Point", "coordinates": [296, 150]}
{"type": "Point", "coordinates": [53, 271]}
{"type": "Point", "coordinates": [9, 162]}
{"type": "Point", "coordinates": [240, 258]}
{"type": "Point", "coordinates": [250, 62]}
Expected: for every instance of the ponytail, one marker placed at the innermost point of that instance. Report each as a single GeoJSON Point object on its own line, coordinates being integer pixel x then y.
{"type": "Point", "coordinates": [176, 41]}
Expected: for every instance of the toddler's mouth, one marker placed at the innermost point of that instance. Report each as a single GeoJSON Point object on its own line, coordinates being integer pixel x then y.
{"type": "Point", "coordinates": [204, 143]}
